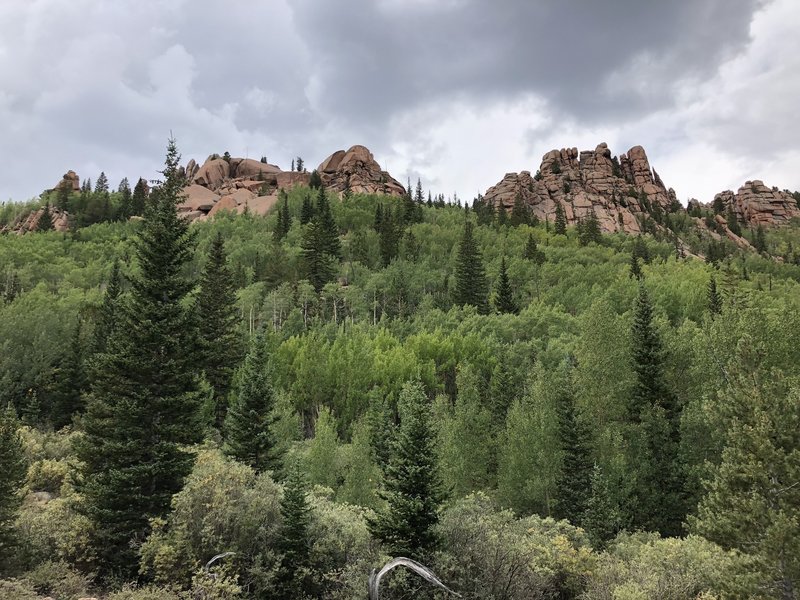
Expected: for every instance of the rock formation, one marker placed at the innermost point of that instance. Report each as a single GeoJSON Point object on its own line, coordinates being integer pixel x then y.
{"type": "Point", "coordinates": [70, 180]}
{"type": "Point", "coordinates": [358, 171]}
{"type": "Point", "coordinates": [620, 191]}
{"type": "Point", "coordinates": [31, 221]}
{"type": "Point", "coordinates": [755, 204]}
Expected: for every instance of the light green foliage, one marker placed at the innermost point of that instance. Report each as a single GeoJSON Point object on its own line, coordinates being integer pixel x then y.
{"type": "Point", "coordinates": [58, 581]}
{"type": "Point", "coordinates": [465, 442]}
{"type": "Point", "coordinates": [493, 554]}
{"type": "Point", "coordinates": [642, 566]}
{"type": "Point", "coordinates": [362, 475]}
{"type": "Point", "coordinates": [322, 461]}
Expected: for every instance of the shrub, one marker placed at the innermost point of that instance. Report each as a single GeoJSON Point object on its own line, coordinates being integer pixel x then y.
{"type": "Point", "coordinates": [58, 580]}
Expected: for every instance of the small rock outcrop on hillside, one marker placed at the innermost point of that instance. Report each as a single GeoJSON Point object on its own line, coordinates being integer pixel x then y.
{"type": "Point", "coordinates": [70, 180]}
{"type": "Point", "coordinates": [756, 204]}
{"type": "Point", "coordinates": [618, 189]}
{"type": "Point", "coordinates": [358, 171]}
{"type": "Point", "coordinates": [31, 221]}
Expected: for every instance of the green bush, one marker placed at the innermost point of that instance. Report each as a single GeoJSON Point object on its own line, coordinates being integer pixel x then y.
{"type": "Point", "coordinates": [58, 580]}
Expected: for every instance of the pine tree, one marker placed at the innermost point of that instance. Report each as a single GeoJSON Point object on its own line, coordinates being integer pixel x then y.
{"type": "Point", "coordinates": [657, 504]}
{"type": "Point", "coordinates": [101, 186]}
{"type": "Point", "coordinates": [714, 298]}
{"type": "Point", "coordinates": [640, 249]}
{"type": "Point", "coordinates": [503, 294]}
{"type": "Point", "coordinates": [45, 222]}
{"type": "Point", "coordinates": [419, 197]}
{"type": "Point", "coordinates": [362, 475]}
{"type": "Point", "coordinates": [590, 230]}
{"type": "Point", "coordinates": [294, 542]}
{"type": "Point", "coordinates": [635, 268]}
{"type": "Point", "coordinates": [520, 214]}
{"type": "Point", "coordinates": [733, 222]}
{"type": "Point", "coordinates": [576, 470]}
{"type": "Point", "coordinates": [317, 262]}
{"type": "Point", "coordinates": [315, 180]}
{"type": "Point", "coordinates": [125, 200]}
{"type": "Point", "coordinates": [64, 193]}
{"type": "Point", "coordinates": [389, 240]}
{"type": "Point", "coordinates": [220, 347]}
{"type": "Point", "coordinates": [532, 251]}
{"type": "Point", "coordinates": [286, 224]}
{"type": "Point", "coordinates": [407, 527]}
{"type": "Point", "coordinates": [144, 403]}
{"type": "Point", "coordinates": [12, 476]}
{"type": "Point", "coordinates": [249, 422]}
{"type": "Point", "coordinates": [501, 217]}
{"type": "Point", "coordinates": [760, 240]}
{"type": "Point", "coordinates": [560, 220]}
{"type": "Point", "coordinates": [602, 519]}
{"type": "Point", "coordinates": [377, 222]}
{"type": "Point", "coordinates": [139, 199]}
{"type": "Point", "coordinates": [332, 244]}
{"type": "Point", "coordinates": [109, 311]}
{"type": "Point", "coordinates": [471, 286]}
{"type": "Point", "coordinates": [300, 165]}
{"type": "Point", "coordinates": [69, 382]}
{"type": "Point", "coordinates": [307, 211]}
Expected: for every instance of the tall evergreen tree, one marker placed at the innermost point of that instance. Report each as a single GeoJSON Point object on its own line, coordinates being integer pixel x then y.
{"type": "Point", "coordinates": [389, 240]}
{"type": "Point", "coordinates": [503, 294]}
{"type": "Point", "coordinates": [636, 268]}
{"type": "Point", "coordinates": [69, 381]}
{"type": "Point", "coordinates": [377, 222]}
{"type": "Point", "coordinates": [574, 483]}
{"type": "Point", "coordinates": [590, 230]}
{"type": "Point", "coordinates": [560, 220]}
{"type": "Point", "coordinates": [603, 517]}
{"type": "Point", "coordinates": [45, 222]}
{"type": "Point", "coordinates": [760, 240]}
{"type": "Point", "coordinates": [407, 527]}
{"type": "Point", "coordinates": [109, 311]}
{"type": "Point", "coordinates": [294, 542]}
{"type": "Point", "coordinates": [501, 217]}
{"type": "Point", "coordinates": [307, 211]}
{"type": "Point", "coordinates": [63, 196]}
{"type": "Point", "coordinates": [12, 476]}
{"type": "Point", "coordinates": [144, 403]}
{"type": "Point", "coordinates": [520, 213]}
{"type": "Point", "coordinates": [714, 297]}
{"type": "Point", "coordinates": [250, 420]}
{"type": "Point", "coordinates": [330, 230]}
{"type": "Point", "coordinates": [733, 221]}
{"type": "Point", "coordinates": [139, 199]}
{"type": "Point", "coordinates": [317, 262]}
{"type": "Point", "coordinates": [657, 502]}
{"type": "Point", "coordinates": [471, 286]}
{"type": "Point", "coordinates": [220, 346]}
{"type": "Point", "coordinates": [419, 197]}
{"type": "Point", "coordinates": [125, 209]}
{"type": "Point", "coordinates": [532, 251]}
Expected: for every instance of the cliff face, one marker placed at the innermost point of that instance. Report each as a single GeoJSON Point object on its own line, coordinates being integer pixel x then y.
{"type": "Point", "coordinates": [618, 190]}
{"type": "Point", "coordinates": [755, 204]}
{"type": "Point", "coordinates": [358, 171]}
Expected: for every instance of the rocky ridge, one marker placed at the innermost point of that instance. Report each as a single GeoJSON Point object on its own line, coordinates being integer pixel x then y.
{"type": "Point", "coordinates": [357, 170]}
{"type": "Point", "coordinates": [756, 204]}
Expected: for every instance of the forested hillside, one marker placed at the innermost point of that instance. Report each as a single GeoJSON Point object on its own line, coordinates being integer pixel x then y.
{"type": "Point", "coordinates": [531, 409]}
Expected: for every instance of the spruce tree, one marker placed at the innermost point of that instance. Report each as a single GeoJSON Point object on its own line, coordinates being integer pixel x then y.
{"type": "Point", "coordinates": [560, 220]}
{"type": "Point", "coordinates": [144, 404]}
{"type": "Point", "coordinates": [732, 221]}
{"type": "Point", "coordinates": [503, 294]}
{"type": "Point", "coordinates": [532, 251]}
{"type": "Point", "coordinates": [12, 476]}
{"type": "Point", "coordinates": [520, 214]}
{"type": "Point", "coordinates": [69, 381]}
{"type": "Point", "coordinates": [109, 311]}
{"type": "Point", "coordinates": [314, 180]}
{"type": "Point", "coordinates": [45, 222]}
{"type": "Point", "coordinates": [574, 482]}
{"type": "Point", "coordinates": [714, 298]}
{"type": "Point", "coordinates": [250, 420]}
{"type": "Point", "coordinates": [294, 544]}
{"type": "Point", "coordinates": [317, 262]}
{"type": "Point", "coordinates": [636, 268]}
{"type": "Point", "coordinates": [125, 209]}
{"type": "Point", "coordinates": [64, 193]}
{"type": "Point", "coordinates": [389, 240]}
{"type": "Point", "coordinates": [602, 518]}
{"type": "Point", "coordinates": [307, 211]}
{"type": "Point", "coordinates": [760, 240]}
{"type": "Point", "coordinates": [330, 231]}
{"type": "Point", "coordinates": [407, 526]}
{"type": "Point", "coordinates": [220, 347]}
{"type": "Point", "coordinates": [139, 199]}
{"type": "Point", "coordinates": [377, 222]}
{"type": "Point", "coordinates": [590, 230]}
{"type": "Point", "coordinates": [657, 503]}
{"type": "Point", "coordinates": [471, 286]}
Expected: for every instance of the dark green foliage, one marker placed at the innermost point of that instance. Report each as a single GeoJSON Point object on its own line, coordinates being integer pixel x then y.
{"type": "Point", "coordinates": [389, 240]}
{"type": "Point", "coordinates": [299, 164]}
{"type": "Point", "coordinates": [125, 208]}
{"type": "Point", "coordinates": [412, 489]}
{"type": "Point", "coordinates": [294, 544]}
{"type": "Point", "coordinates": [315, 180]}
{"type": "Point", "coordinates": [12, 476]}
{"type": "Point", "coordinates": [560, 227]}
{"type": "Point", "coordinates": [307, 212]}
{"type": "Point", "coordinates": [318, 264]}
{"type": "Point", "coordinates": [602, 518]}
{"type": "Point", "coordinates": [501, 217]}
{"type": "Point", "coordinates": [760, 240]}
{"type": "Point", "coordinates": [590, 230]}
{"type": "Point", "coordinates": [520, 213]}
{"type": "Point", "coordinates": [555, 167]}
{"type": "Point", "coordinates": [714, 297]}
{"type": "Point", "coordinates": [332, 245]}
{"type": "Point", "coordinates": [63, 195]}
{"type": "Point", "coordinates": [532, 251]}
{"type": "Point", "coordinates": [503, 294]}
{"type": "Point", "coordinates": [471, 286]}
{"type": "Point", "coordinates": [718, 205]}
{"type": "Point", "coordinates": [733, 222]}
{"type": "Point", "coordinates": [220, 347]}
{"type": "Point", "coordinates": [284, 223]}
{"type": "Point", "coordinates": [657, 502]}
{"type": "Point", "coordinates": [109, 311]}
{"type": "Point", "coordinates": [636, 268]}
{"type": "Point", "coordinates": [640, 249]}
{"type": "Point", "coordinates": [249, 435]}
{"type": "Point", "coordinates": [45, 222]}
{"type": "Point", "coordinates": [574, 482]}
{"type": "Point", "coordinates": [141, 192]}
{"type": "Point", "coordinates": [377, 222]}
{"type": "Point", "coordinates": [69, 382]}
{"type": "Point", "coordinates": [144, 403]}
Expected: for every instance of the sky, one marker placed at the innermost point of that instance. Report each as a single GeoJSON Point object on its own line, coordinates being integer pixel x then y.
{"type": "Point", "coordinates": [454, 92]}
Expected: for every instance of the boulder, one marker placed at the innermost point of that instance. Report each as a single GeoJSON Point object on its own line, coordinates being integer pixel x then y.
{"type": "Point", "coordinates": [213, 172]}
{"type": "Point", "coordinates": [756, 204]}
{"type": "Point", "coordinates": [70, 180]}
{"type": "Point", "coordinates": [357, 170]}
{"type": "Point", "coordinates": [249, 168]}
{"type": "Point", "coordinates": [288, 179]}
{"type": "Point", "coordinates": [227, 203]}
{"type": "Point", "coordinates": [197, 197]}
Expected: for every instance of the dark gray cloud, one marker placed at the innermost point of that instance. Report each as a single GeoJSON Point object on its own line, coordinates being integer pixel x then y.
{"type": "Point", "coordinates": [451, 90]}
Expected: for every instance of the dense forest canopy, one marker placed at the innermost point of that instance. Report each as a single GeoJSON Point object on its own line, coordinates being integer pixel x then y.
{"type": "Point", "coordinates": [530, 409]}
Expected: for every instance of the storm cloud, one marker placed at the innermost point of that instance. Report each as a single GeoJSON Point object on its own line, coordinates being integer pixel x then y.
{"type": "Point", "coordinates": [456, 92]}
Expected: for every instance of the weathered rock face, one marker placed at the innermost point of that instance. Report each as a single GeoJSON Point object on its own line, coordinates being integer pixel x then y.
{"type": "Point", "coordinates": [619, 191]}
{"type": "Point", "coordinates": [357, 170]}
{"type": "Point", "coordinates": [70, 180]}
{"type": "Point", "coordinates": [755, 204]}
{"type": "Point", "coordinates": [31, 221]}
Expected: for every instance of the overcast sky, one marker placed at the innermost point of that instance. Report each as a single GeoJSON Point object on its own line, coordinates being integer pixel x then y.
{"type": "Point", "coordinates": [457, 92]}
